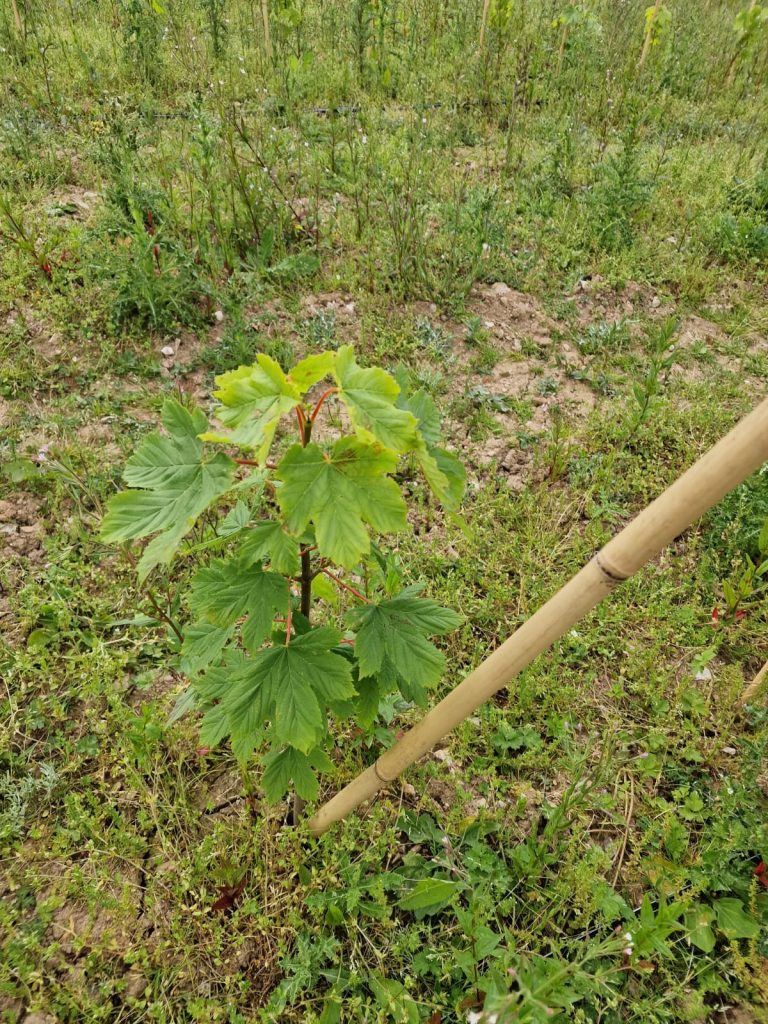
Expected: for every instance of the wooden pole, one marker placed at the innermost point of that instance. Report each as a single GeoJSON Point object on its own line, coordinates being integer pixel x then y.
{"type": "Point", "coordinates": [722, 468]}
{"type": "Point", "coordinates": [484, 23]}
{"type": "Point", "coordinates": [649, 34]}
{"type": "Point", "coordinates": [267, 32]}
{"type": "Point", "coordinates": [754, 688]}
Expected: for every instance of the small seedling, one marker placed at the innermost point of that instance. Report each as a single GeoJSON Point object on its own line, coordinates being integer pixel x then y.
{"type": "Point", "coordinates": [264, 674]}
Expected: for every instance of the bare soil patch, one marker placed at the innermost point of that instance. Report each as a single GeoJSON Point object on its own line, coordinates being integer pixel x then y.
{"type": "Point", "coordinates": [21, 530]}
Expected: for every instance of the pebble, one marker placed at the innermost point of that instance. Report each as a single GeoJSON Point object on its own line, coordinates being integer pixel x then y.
{"type": "Point", "coordinates": [167, 350]}
{"type": "Point", "coordinates": [218, 316]}
{"type": "Point", "coordinates": [135, 984]}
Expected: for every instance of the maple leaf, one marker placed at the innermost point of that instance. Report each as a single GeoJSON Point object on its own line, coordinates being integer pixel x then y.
{"type": "Point", "coordinates": [203, 644]}
{"type": "Point", "coordinates": [229, 588]}
{"type": "Point", "coordinates": [339, 494]}
{"type": "Point", "coordinates": [391, 642]}
{"type": "Point", "coordinates": [290, 765]}
{"type": "Point", "coordinates": [442, 470]}
{"type": "Point", "coordinates": [269, 540]}
{"type": "Point", "coordinates": [171, 485]}
{"type": "Point", "coordinates": [252, 401]}
{"type": "Point", "coordinates": [286, 684]}
{"type": "Point", "coordinates": [370, 395]}
{"type": "Point", "coordinates": [312, 369]}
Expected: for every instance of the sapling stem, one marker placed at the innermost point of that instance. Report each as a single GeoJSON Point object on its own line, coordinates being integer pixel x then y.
{"type": "Point", "coordinates": [306, 582]}
{"type": "Point", "coordinates": [321, 399]}
{"type": "Point", "coordinates": [164, 616]}
{"type": "Point", "coordinates": [305, 426]}
{"type": "Point", "coordinates": [346, 586]}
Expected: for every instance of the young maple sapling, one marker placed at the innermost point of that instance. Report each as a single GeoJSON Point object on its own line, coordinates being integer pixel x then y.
{"type": "Point", "coordinates": [265, 675]}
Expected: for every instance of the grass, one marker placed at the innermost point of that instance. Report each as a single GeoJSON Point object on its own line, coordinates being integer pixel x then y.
{"type": "Point", "coordinates": [165, 185]}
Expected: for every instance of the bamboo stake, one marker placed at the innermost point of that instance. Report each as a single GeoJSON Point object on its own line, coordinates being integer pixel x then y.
{"type": "Point", "coordinates": [17, 18]}
{"type": "Point", "coordinates": [561, 51]}
{"type": "Point", "coordinates": [267, 32]}
{"type": "Point", "coordinates": [649, 34]}
{"type": "Point", "coordinates": [722, 468]}
{"type": "Point", "coordinates": [484, 23]}
{"type": "Point", "coordinates": [754, 688]}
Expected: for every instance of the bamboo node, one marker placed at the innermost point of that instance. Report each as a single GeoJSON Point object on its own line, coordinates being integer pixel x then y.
{"type": "Point", "coordinates": [612, 574]}
{"type": "Point", "coordinates": [382, 778]}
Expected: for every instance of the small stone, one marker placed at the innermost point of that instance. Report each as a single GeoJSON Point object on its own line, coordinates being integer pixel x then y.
{"type": "Point", "coordinates": [655, 302]}
{"type": "Point", "coordinates": [218, 316]}
{"type": "Point", "coordinates": [135, 984]}
{"type": "Point", "coordinates": [500, 289]}
{"type": "Point", "coordinates": [730, 751]}
{"type": "Point", "coordinates": [349, 308]}
{"type": "Point", "coordinates": [515, 484]}
{"type": "Point", "coordinates": [409, 790]}
{"type": "Point", "coordinates": [168, 350]}
{"type": "Point", "coordinates": [704, 676]}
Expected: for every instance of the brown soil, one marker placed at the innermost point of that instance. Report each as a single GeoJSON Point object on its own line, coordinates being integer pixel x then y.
{"type": "Point", "coordinates": [20, 528]}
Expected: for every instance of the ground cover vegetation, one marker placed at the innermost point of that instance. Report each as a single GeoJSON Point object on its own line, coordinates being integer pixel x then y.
{"type": "Point", "coordinates": [525, 239]}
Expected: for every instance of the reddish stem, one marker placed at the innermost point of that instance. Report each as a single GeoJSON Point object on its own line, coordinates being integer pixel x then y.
{"type": "Point", "coordinates": [302, 421]}
{"type": "Point", "coordinates": [289, 621]}
{"type": "Point", "coordinates": [346, 586]}
{"type": "Point", "coordinates": [321, 399]}
{"type": "Point", "coordinates": [253, 462]}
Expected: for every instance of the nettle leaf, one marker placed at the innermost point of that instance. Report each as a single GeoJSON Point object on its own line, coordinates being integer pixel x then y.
{"type": "Point", "coordinates": [392, 645]}
{"type": "Point", "coordinates": [430, 895]}
{"type": "Point", "coordinates": [370, 395]}
{"type": "Point", "coordinates": [229, 588]}
{"type": "Point", "coordinates": [734, 920]}
{"type": "Point", "coordinates": [268, 540]}
{"type": "Point", "coordinates": [283, 767]}
{"type": "Point", "coordinates": [698, 923]}
{"type": "Point", "coordinates": [252, 401]}
{"type": "Point", "coordinates": [172, 484]}
{"type": "Point", "coordinates": [339, 494]}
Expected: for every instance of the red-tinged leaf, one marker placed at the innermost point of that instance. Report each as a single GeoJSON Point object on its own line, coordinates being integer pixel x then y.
{"type": "Point", "coordinates": [761, 871]}
{"type": "Point", "coordinates": [202, 751]}
{"type": "Point", "coordinates": [645, 965]}
{"type": "Point", "coordinates": [739, 615]}
{"type": "Point", "coordinates": [472, 1002]}
{"type": "Point", "coordinates": [436, 1018]}
{"type": "Point", "coordinates": [229, 895]}
{"type": "Point", "coordinates": [715, 617]}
